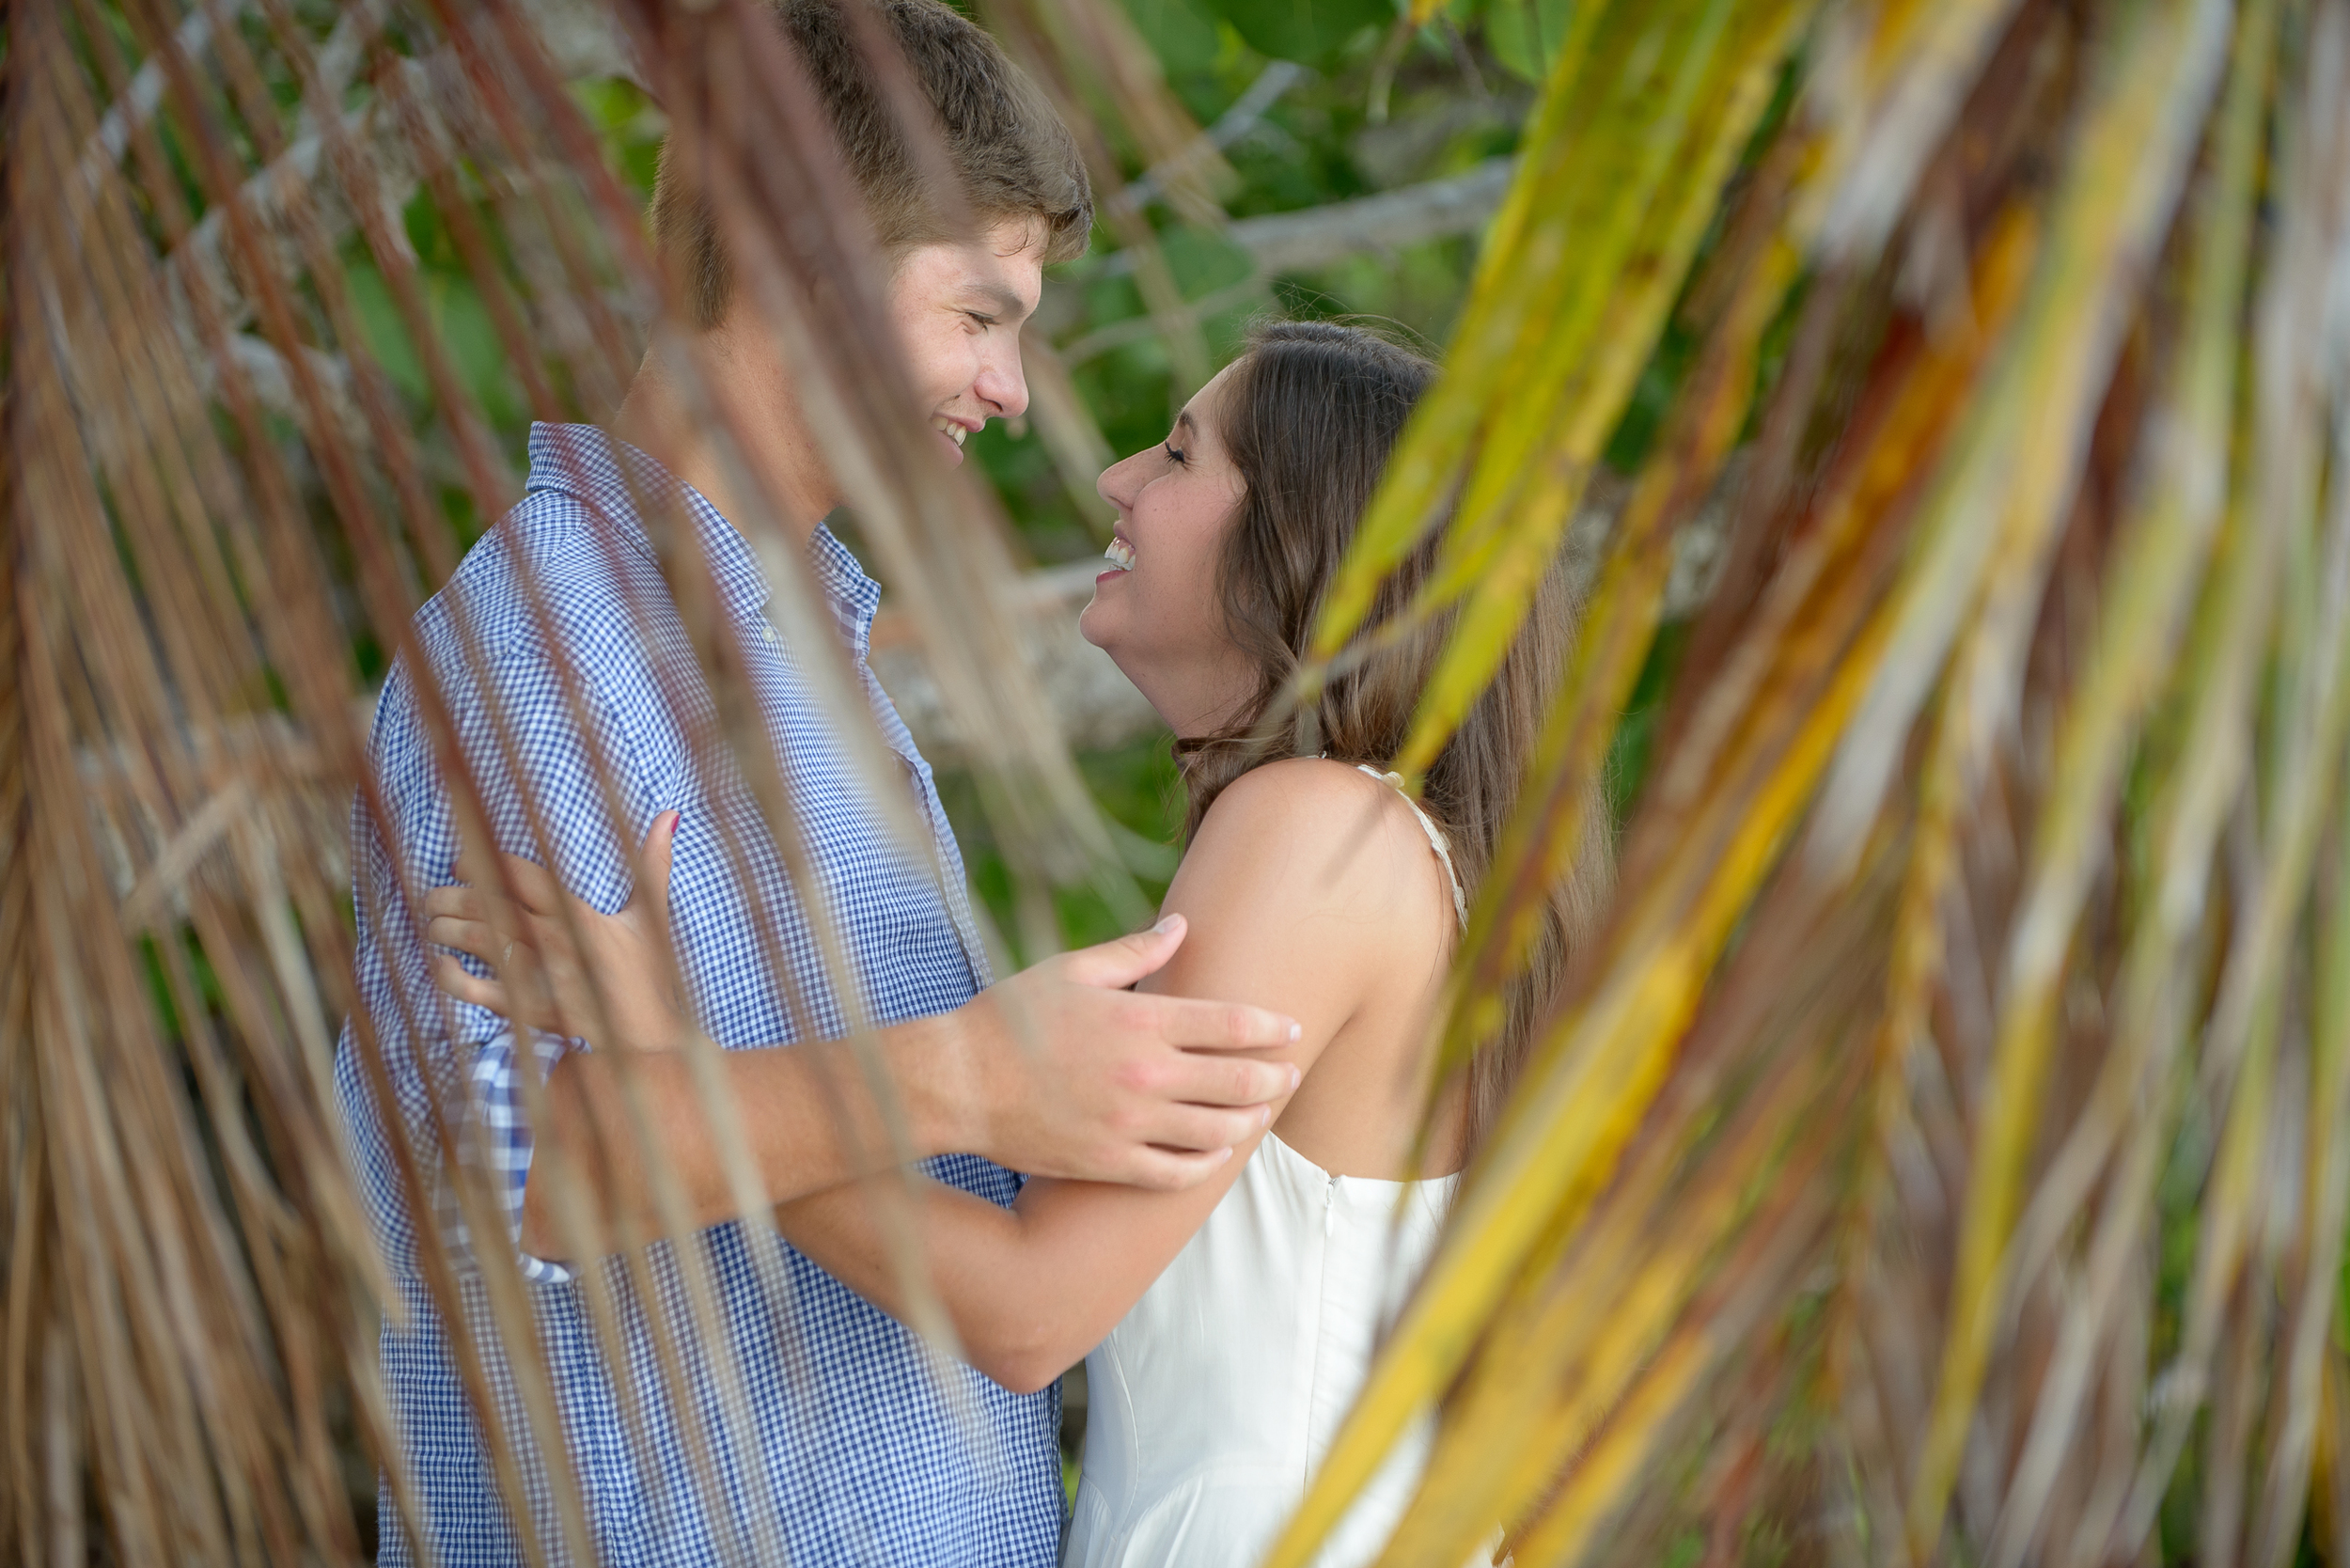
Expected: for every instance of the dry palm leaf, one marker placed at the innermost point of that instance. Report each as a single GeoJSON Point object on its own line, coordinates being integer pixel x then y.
{"type": "Point", "coordinates": [223, 507]}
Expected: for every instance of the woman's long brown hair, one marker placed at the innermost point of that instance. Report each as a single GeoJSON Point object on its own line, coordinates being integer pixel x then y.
{"type": "Point", "coordinates": [1309, 419]}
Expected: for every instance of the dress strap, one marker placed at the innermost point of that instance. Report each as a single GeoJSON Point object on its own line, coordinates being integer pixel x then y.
{"type": "Point", "coordinates": [1435, 837]}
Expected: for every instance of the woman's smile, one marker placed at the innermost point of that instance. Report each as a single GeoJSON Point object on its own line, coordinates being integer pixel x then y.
{"type": "Point", "coordinates": [1120, 555]}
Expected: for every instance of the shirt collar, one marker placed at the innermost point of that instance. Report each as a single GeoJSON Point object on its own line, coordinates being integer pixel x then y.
{"type": "Point", "coordinates": [853, 596]}
{"type": "Point", "coordinates": [594, 467]}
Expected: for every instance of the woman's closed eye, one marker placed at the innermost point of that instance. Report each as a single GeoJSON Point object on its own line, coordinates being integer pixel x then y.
{"type": "Point", "coordinates": [1174, 454]}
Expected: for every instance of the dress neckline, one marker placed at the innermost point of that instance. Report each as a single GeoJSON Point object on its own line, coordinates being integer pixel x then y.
{"type": "Point", "coordinates": [1290, 1150]}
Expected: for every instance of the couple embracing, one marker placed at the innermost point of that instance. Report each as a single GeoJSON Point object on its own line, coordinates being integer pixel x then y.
{"type": "Point", "coordinates": [1212, 1121]}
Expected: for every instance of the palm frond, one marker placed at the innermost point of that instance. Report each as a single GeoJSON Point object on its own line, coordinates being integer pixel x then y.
{"type": "Point", "coordinates": [1982, 679]}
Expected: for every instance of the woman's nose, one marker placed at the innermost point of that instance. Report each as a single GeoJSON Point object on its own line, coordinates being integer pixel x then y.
{"type": "Point", "coordinates": [1115, 484]}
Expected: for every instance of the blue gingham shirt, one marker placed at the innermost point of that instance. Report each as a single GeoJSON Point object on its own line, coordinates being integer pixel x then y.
{"type": "Point", "coordinates": [850, 1442]}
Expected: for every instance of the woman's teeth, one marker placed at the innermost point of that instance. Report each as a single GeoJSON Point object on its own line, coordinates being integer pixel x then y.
{"type": "Point", "coordinates": [951, 431]}
{"type": "Point", "coordinates": [1120, 555]}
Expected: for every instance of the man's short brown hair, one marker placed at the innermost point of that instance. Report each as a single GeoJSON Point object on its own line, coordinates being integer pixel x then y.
{"type": "Point", "coordinates": [1009, 150]}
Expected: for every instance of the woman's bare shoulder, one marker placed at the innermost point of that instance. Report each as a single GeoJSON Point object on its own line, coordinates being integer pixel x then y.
{"type": "Point", "coordinates": [1320, 829]}
{"type": "Point", "coordinates": [1305, 796]}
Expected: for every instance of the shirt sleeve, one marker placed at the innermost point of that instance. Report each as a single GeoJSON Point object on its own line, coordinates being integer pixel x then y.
{"type": "Point", "coordinates": [505, 1135]}
{"type": "Point", "coordinates": [526, 755]}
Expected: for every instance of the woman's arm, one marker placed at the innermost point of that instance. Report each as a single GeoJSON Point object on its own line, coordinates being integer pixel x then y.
{"type": "Point", "coordinates": [1293, 889]}
{"type": "Point", "coordinates": [1029, 1289]}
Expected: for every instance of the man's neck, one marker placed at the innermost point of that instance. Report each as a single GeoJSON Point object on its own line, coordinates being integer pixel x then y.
{"type": "Point", "coordinates": [671, 414]}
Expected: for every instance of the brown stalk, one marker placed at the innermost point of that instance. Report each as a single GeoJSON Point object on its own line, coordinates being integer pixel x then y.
{"type": "Point", "coordinates": [342, 469]}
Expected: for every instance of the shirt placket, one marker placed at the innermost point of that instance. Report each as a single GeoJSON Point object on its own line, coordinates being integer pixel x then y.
{"type": "Point", "coordinates": [945, 865]}
{"type": "Point", "coordinates": [855, 623]}
{"type": "Point", "coordinates": [948, 867]}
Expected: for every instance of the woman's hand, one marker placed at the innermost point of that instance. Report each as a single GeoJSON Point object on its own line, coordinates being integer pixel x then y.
{"type": "Point", "coordinates": [559, 963]}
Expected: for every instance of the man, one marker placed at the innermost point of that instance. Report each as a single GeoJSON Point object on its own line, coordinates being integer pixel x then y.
{"type": "Point", "coordinates": [809, 1428]}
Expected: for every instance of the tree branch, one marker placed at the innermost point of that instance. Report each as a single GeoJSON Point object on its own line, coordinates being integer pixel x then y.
{"type": "Point", "coordinates": [433, 91]}
{"type": "Point", "coordinates": [1298, 242]}
{"type": "Point", "coordinates": [140, 99]}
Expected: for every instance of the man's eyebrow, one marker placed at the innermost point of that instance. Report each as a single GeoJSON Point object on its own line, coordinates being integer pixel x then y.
{"type": "Point", "coordinates": [1006, 302]}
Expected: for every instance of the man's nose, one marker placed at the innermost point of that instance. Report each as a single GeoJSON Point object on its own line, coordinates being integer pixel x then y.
{"type": "Point", "coordinates": [1003, 386]}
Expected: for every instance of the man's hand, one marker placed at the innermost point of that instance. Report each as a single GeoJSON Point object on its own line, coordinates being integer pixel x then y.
{"type": "Point", "coordinates": [1063, 1071]}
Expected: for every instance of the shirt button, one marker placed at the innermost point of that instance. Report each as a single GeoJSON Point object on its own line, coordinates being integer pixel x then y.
{"type": "Point", "coordinates": [767, 632]}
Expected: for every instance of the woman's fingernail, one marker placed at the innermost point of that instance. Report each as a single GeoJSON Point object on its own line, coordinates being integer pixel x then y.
{"type": "Point", "coordinates": [1167, 924]}
{"type": "Point", "coordinates": [1297, 1033]}
{"type": "Point", "coordinates": [1265, 1116]}
{"type": "Point", "coordinates": [1297, 1075]}
{"type": "Point", "coordinates": [1223, 1154]}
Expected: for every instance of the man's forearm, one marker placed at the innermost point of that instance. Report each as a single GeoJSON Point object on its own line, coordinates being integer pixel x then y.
{"type": "Point", "coordinates": [809, 1116]}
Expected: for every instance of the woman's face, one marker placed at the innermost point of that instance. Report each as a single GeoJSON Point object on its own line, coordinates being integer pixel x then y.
{"type": "Point", "coordinates": [1155, 610]}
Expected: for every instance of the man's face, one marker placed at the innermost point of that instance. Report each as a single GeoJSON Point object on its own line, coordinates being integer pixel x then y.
{"type": "Point", "coordinates": [958, 309]}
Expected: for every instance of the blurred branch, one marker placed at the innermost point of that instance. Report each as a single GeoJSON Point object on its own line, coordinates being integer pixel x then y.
{"type": "Point", "coordinates": [1316, 236]}
{"type": "Point", "coordinates": [272, 381]}
{"type": "Point", "coordinates": [1235, 123]}
{"type": "Point", "coordinates": [1302, 241]}
{"type": "Point", "coordinates": [439, 103]}
{"type": "Point", "coordinates": [1133, 329]}
{"type": "Point", "coordinates": [1094, 704]}
{"type": "Point", "coordinates": [139, 101]}
{"type": "Point", "coordinates": [338, 57]}
{"type": "Point", "coordinates": [425, 121]}
{"type": "Point", "coordinates": [1066, 426]}
{"type": "Point", "coordinates": [1295, 242]}
{"type": "Point", "coordinates": [583, 41]}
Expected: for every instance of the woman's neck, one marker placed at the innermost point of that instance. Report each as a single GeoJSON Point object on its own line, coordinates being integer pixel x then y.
{"type": "Point", "coordinates": [1195, 702]}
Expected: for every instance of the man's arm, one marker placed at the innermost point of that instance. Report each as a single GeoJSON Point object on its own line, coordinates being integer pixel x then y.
{"type": "Point", "coordinates": [1059, 1071]}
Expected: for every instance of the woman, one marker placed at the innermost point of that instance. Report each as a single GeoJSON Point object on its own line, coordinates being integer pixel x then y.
{"type": "Point", "coordinates": [1227, 1329]}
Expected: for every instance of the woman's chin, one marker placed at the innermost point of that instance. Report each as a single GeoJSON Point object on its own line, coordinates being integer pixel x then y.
{"type": "Point", "coordinates": [1093, 626]}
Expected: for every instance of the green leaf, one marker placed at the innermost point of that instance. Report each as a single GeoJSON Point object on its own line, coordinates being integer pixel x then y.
{"type": "Point", "coordinates": [386, 336]}
{"type": "Point", "coordinates": [1513, 34]}
{"type": "Point", "coordinates": [1179, 32]}
{"type": "Point", "coordinates": [471, 340]}
{"type": "Point", "coordinates": [1309, 32]}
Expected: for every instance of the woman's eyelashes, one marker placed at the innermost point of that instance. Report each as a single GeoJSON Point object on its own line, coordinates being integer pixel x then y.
{"type": "Point", "coordinates": [1174, 454]}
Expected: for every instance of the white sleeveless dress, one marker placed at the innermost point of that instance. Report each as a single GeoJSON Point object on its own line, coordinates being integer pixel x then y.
{"type": "Point", "coordinates": [1211, 1404]}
